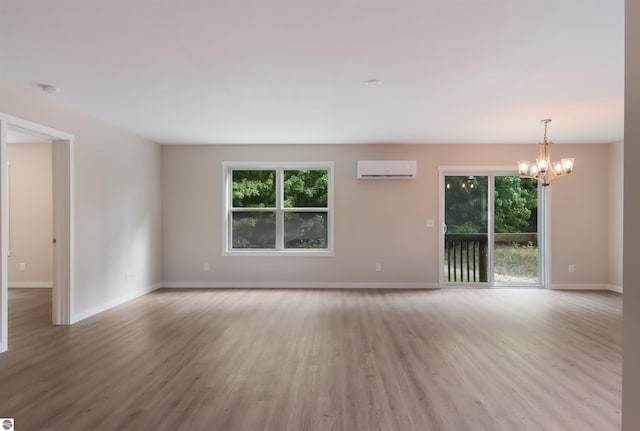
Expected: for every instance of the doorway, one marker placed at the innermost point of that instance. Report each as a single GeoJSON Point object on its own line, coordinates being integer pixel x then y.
{"type": "Point", "coordinates": [30, 255]}
{"type": "Point", "coordinates": [62, 211]}
{"type": "Point", "coordinates": [492, 229]}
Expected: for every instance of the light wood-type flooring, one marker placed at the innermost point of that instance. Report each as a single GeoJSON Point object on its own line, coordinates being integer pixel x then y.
{"type": "Point", "coordinates": [351, 360]}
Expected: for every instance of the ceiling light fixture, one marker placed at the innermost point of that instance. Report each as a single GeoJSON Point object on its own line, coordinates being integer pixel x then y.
{"type": "Point", "coordinates": [544, 170]}
{"type": "Point", "coordinates": [372, 82]}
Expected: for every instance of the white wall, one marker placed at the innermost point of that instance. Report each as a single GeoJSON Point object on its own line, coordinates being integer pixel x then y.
{"type": "Point", "coordinates": [375, 221]}
{"type": "Point", "coordinates": [117, 200]}
{"type": "Point", "coordinates": [580, 220]}
{"type": "Point", "coordinates": [30, 212]}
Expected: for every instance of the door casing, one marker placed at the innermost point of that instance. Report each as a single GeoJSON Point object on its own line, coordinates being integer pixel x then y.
{"type": "Point", "coordinates": [63, 220]}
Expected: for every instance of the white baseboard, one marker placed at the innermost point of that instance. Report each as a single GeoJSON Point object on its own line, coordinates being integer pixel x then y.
{"type": "Point", "coordinates": [297, 285]}
{"type": "Point", "coordinates": [576, 286]}
{"type": "Point", "coordinates": [30, 284]}
{"type": "Point", "coordinates": [615, 288]}
{"type": "Point", "coordinates": [76, 317]}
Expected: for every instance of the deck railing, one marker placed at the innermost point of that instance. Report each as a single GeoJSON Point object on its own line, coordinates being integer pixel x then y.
{"type": "Point", "coordinates": [466, 257]}
{"type": "Point", "coordinates": [467, 254]}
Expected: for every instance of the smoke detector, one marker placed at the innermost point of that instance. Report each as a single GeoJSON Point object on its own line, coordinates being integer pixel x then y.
{"type": "Point", "coordinates": [49, 89]}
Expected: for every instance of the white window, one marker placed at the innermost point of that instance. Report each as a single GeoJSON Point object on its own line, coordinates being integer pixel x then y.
{"type": "Point", "coordinates": [281, 208]}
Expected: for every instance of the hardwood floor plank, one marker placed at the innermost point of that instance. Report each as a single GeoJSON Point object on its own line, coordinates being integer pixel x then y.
{"type": "Point", "coordinates": [319, 360]}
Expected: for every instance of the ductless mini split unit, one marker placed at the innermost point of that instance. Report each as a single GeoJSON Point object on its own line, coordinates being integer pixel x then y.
{"type": "Point", "coordinates": [386, 169]}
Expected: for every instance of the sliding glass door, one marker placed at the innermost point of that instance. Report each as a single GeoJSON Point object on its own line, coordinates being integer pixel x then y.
{"type": "Point", "coordinates": [516, 238]}
{"type": "Point", "coordinates": [491, 230]}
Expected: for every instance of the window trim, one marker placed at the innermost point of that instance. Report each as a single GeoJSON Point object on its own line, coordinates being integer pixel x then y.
{"type": "Point", "coordinates": [229, 166]}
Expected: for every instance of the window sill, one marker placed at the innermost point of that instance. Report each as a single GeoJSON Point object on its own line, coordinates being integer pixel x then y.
{"type": "Point", "coordinates": [279, 253]}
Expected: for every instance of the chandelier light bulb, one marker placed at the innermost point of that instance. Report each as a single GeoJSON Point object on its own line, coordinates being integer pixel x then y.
{"type": "Point", "coordinates": [567, 165]}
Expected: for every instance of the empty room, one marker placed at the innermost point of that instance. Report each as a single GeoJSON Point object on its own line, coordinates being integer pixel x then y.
{"type": "Point", "coordinates": [294, 215]}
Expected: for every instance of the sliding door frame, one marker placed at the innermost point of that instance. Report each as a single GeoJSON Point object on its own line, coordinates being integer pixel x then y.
{"type": "Point", "coordinates": [544, 243]}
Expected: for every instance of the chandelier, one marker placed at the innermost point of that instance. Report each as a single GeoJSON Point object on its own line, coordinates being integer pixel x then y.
{"type": "Point", "coordinates": [544, 170]}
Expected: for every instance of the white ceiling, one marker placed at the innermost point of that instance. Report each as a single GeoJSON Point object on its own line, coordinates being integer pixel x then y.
{"type": "Point", "coordinates": [293, 71]}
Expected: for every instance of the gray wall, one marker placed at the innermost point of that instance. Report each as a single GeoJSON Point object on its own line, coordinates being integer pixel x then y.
{"type": "Point", "coordinates": [377, 221]}
{"type": "Point", "coordinates": [616, 209]}
{"type": "Point", "coordinates": [631, 358]}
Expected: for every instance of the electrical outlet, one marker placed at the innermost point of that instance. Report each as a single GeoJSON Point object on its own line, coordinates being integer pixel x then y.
{"type": "Point", "coordinates": [572, 267]}
{"type": "Point", "coordinates": [23, 266]}
{"type": "Point", "coordinates": [128, 276]}
{"type": "Point", "coordinates": [430, 222]}
{"type": "Point", "coordinates": [378, 267]}
{"type": "Point", "coordinates": [206, 267]}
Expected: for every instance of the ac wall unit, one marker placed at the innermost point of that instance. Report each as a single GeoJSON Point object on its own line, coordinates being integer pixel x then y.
{"type": "Point", "coordinates": [386, 169]}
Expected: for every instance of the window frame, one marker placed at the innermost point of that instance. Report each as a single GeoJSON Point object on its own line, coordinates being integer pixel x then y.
{"type": "Point", "coordinates": [279, 250]}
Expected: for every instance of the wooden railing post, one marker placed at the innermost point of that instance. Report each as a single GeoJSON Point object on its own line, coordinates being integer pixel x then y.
{"type": "Point", "coordinates": [483, 259]}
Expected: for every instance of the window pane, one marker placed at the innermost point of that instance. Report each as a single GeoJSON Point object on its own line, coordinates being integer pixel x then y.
{"type": "Point", "coordinates": [254, 189]}
{"type": "Point", "coordinates": [306, 188]}
{"type": "Point", "coordinates": [466, 204]}
{"type": "Point", "coordinates": [254, 229]}
{"type": "Point", "coordinates": [466, 245]}
{"type": "Point", "coordinates": [305, 230]}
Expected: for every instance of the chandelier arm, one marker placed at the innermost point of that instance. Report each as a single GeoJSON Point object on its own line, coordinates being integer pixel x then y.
{"type": "Point", "coordinates": [554, 178]}
{"type": "Point", "coordinates": [541, 180]}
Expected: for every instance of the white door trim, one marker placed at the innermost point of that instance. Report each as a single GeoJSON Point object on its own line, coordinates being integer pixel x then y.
{"type": "Point", "coordinates": [63, 222]}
